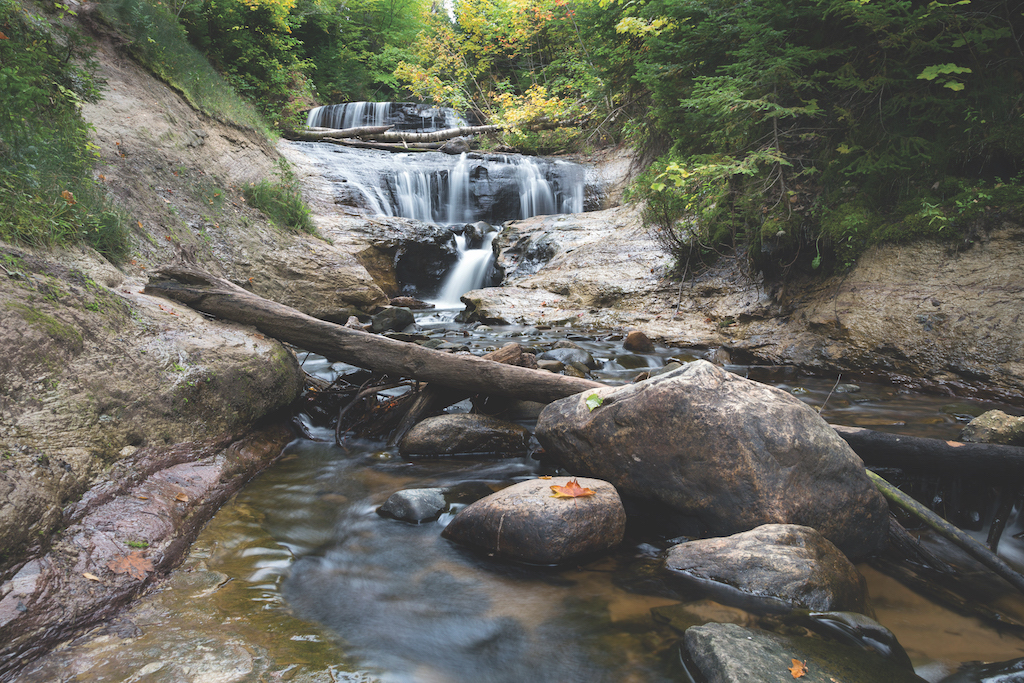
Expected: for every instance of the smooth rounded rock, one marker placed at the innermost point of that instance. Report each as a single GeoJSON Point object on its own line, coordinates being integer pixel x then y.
{"type": "Point", "coordinates": [464, 433]}
{"type": "Point", "coordinates": [637, 342]}
{"type": "Point", "coordinates": [414, 505]}
{"type": "Point", "coordinates": [526, 522]}
{"type": "Point", "coordinates": [775, 566]}
{"type": "Point", "coordinates": [726, 451]}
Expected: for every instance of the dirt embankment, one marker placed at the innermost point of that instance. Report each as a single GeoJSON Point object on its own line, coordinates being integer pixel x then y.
{"type": "Point", "coordinates": [126, 420]}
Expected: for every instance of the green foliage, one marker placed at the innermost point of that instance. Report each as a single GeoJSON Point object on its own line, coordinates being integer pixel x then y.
{"type": "Point", "coordinates": [823, 119]}
{"type": "Point", "coordinates": [159, 42]}
{"type": "Point", "coordinates": [282, 202]}
{"type": "Point", "coordinates": [47, 194]}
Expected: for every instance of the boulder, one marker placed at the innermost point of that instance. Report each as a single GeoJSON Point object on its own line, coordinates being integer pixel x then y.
{"type": "Point", "coordinates": [526, 522]}
{"type": "Point", "coordinates": [727, 653]}
{"type": "Point", "coordinates": [995, 426]}
{"type": "Point", "coordinates": [414, 505]}
{"type": "Point", "coordinates": [730, 452]}
{"type": "Point", "coordinates": [465, 433]}
{"type": "Point", "coordinates": [393, 318]}
{"type": "Point", "coordinates": [773, 566]}
{"type": "Point", "coordinates": [638, 342]}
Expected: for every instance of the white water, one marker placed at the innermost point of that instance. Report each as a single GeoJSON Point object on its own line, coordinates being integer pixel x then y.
{"type": "Point", "coordinates": [468, 273]}
{"type": "Point", "coordinates": [349, 115]}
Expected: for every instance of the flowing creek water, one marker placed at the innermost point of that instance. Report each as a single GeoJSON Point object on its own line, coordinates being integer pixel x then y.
{"type": "Point", "coordinates": [298, 578]}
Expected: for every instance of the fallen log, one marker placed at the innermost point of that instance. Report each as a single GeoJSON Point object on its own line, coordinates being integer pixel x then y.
{"type": "Point", "coordinates": [314, 134]}
{"type": "Point", "coordinates": [385, 146]}
{"type": "Point", "coordinates": [436, 136]}
{"type": "Point", "coordinates": [934, 455]}
{"type": "Point", "coordinates": [467, 373]}
{"type": "Point", "coordinates": [433, 398]}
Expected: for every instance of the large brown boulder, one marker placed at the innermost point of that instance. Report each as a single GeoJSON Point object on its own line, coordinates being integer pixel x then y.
{"type": "Point", "coordinates": [526, 522]}
{"type": "Point", "coordinates": [730, 452]}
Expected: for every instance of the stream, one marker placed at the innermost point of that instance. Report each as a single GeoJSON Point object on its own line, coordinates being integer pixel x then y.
{"type": "Point", "coordinates": [299, 579]}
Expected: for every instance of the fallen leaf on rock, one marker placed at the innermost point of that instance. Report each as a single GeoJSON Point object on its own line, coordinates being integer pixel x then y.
{"type": "Point", "coordinates": [545, 476]}
{"type": "Point", "coordinates": [133, 564]}
{"type": "Point", "coordinates": [594, 401]}
{"type": "Point", "coordinates": [181, 498]}
{"type": "Point", "coordinates": [799, 669]}
{"type": "Point", "coordinates": [572, 489]}
{"type": "Point", "coordinates": [91, 577]}
{"type": "Point", "coordinates": [142, 497]}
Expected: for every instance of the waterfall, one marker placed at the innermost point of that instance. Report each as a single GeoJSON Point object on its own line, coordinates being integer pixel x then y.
{"type": "Point", "coordinates": [349, 115]}
{"type": "Point", "coordinates": [469, 271]}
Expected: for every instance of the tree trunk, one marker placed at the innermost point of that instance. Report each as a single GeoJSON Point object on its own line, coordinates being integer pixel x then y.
{"type": "Point", "coordinates": [386, 146]}
{"type": "Point", "coordinates": [934, 455]}
{"type": "Point", "coordinates": [469, 374]}
{"type": "Point", "coordinates": [314, 134]}
{"type": "Point", "coordinates": [436, 136]}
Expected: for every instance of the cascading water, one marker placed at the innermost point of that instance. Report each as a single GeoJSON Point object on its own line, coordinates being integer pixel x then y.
{"type": "Point", "coordinates": [440, 188]}
{"type": "Point", "coordinates": [469, 271]}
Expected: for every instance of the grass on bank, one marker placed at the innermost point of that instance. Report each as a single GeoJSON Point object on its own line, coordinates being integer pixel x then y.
{"type": "Point", "coordinates": [160, 44]}
{"type": "Point", "coordinates": [282, 203]}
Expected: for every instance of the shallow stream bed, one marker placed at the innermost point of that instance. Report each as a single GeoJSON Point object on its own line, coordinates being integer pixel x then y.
{"type": "Point", "coordinates": [298, 578]}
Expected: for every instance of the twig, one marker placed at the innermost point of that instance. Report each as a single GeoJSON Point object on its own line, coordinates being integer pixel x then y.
{"type": "Point", "coordinates": [840, 377]}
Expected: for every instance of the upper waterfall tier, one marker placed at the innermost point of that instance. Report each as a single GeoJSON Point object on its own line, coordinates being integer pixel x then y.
{"type": "Point", "coordinates": [408, 116]}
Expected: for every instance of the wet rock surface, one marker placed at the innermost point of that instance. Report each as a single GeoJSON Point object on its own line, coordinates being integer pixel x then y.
{"type": "Point", "coordinates": [727, 653]}
{"type": "Point", "coordinates": [730, 452]}
{"type": "Point", "coordinates": [886, 315]}
{"type": "Point", "coordinates": [84, 577]}
{"type": "Point", "coordinates": [525, 522]}
{"type": "Point", "coordinates": [995, 426]}
{"type": "Point", "coordinates": [415, 505]}
{"type": "Point", "coordinates": [775, 566]}
{"type": "Point", "coordinates": [464, 433]}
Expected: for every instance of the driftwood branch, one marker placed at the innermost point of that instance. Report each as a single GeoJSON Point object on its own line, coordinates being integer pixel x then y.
{"type": "Point", "coordinates": [964, 541]}
{"type": "Point", "coordinates": [467, 373]}
{"type": "Point", "coordinates": [933, 455]}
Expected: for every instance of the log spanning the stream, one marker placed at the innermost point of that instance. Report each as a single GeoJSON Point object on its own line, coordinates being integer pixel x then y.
{"type": "Point", "coordinates": [879, 449]}
{"type": "Point", "coordinates": [467, 373]}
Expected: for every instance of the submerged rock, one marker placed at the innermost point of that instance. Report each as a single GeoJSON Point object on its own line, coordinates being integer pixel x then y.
{"type": "Point", "coordinates": [569, 355]}
{"type": "Point", "coordinates": [995, 426]}
{"type": "Point", "coordinates": [526, 522]}
{"type": "Point", "coordinates": [730, 452]}
{"type": "Point", "coordinates": [465, 433]}
{"type": "Point", "coordinates": [727, 653]}
{"type": "Point", "coordinates": [773, 566]}
{"type": "Point", "coordinates": [414, 505]}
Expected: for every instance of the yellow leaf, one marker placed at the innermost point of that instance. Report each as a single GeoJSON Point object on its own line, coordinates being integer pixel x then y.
{"type": "Point", "coordinates": [91, 577]}
{"type": "Point", "coordinates": [181, 498]}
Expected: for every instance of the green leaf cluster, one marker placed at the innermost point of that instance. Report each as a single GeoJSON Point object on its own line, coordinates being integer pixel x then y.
{"type": "Point", "coordinates": [791, 126]}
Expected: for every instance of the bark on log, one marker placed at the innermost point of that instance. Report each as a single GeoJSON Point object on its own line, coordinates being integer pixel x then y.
{"type": "Point", "coordinates": [386, 146]}
{"type": "Point", "coordinates": [436, 136]}
{"type": "Point", "coordinates": [934, 455]}
{"type": "Point", "coordinates": [471, 374]}
{"type": "Point", "coordinates": [433, 398]}
{"type": "Point", "coordinates": [314, 134]}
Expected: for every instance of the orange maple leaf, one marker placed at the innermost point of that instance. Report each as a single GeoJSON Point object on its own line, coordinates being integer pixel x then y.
{"type": "Point", "coordinates": [572, 489]}
{"type": "Point", "coordinates": [133, 564]}
{"type": "Point", "coordinates": [799, 669]}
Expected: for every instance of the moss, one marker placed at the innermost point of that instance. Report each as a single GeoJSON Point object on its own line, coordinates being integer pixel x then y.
{"type": "Point", "coordinates": [64, 334]}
